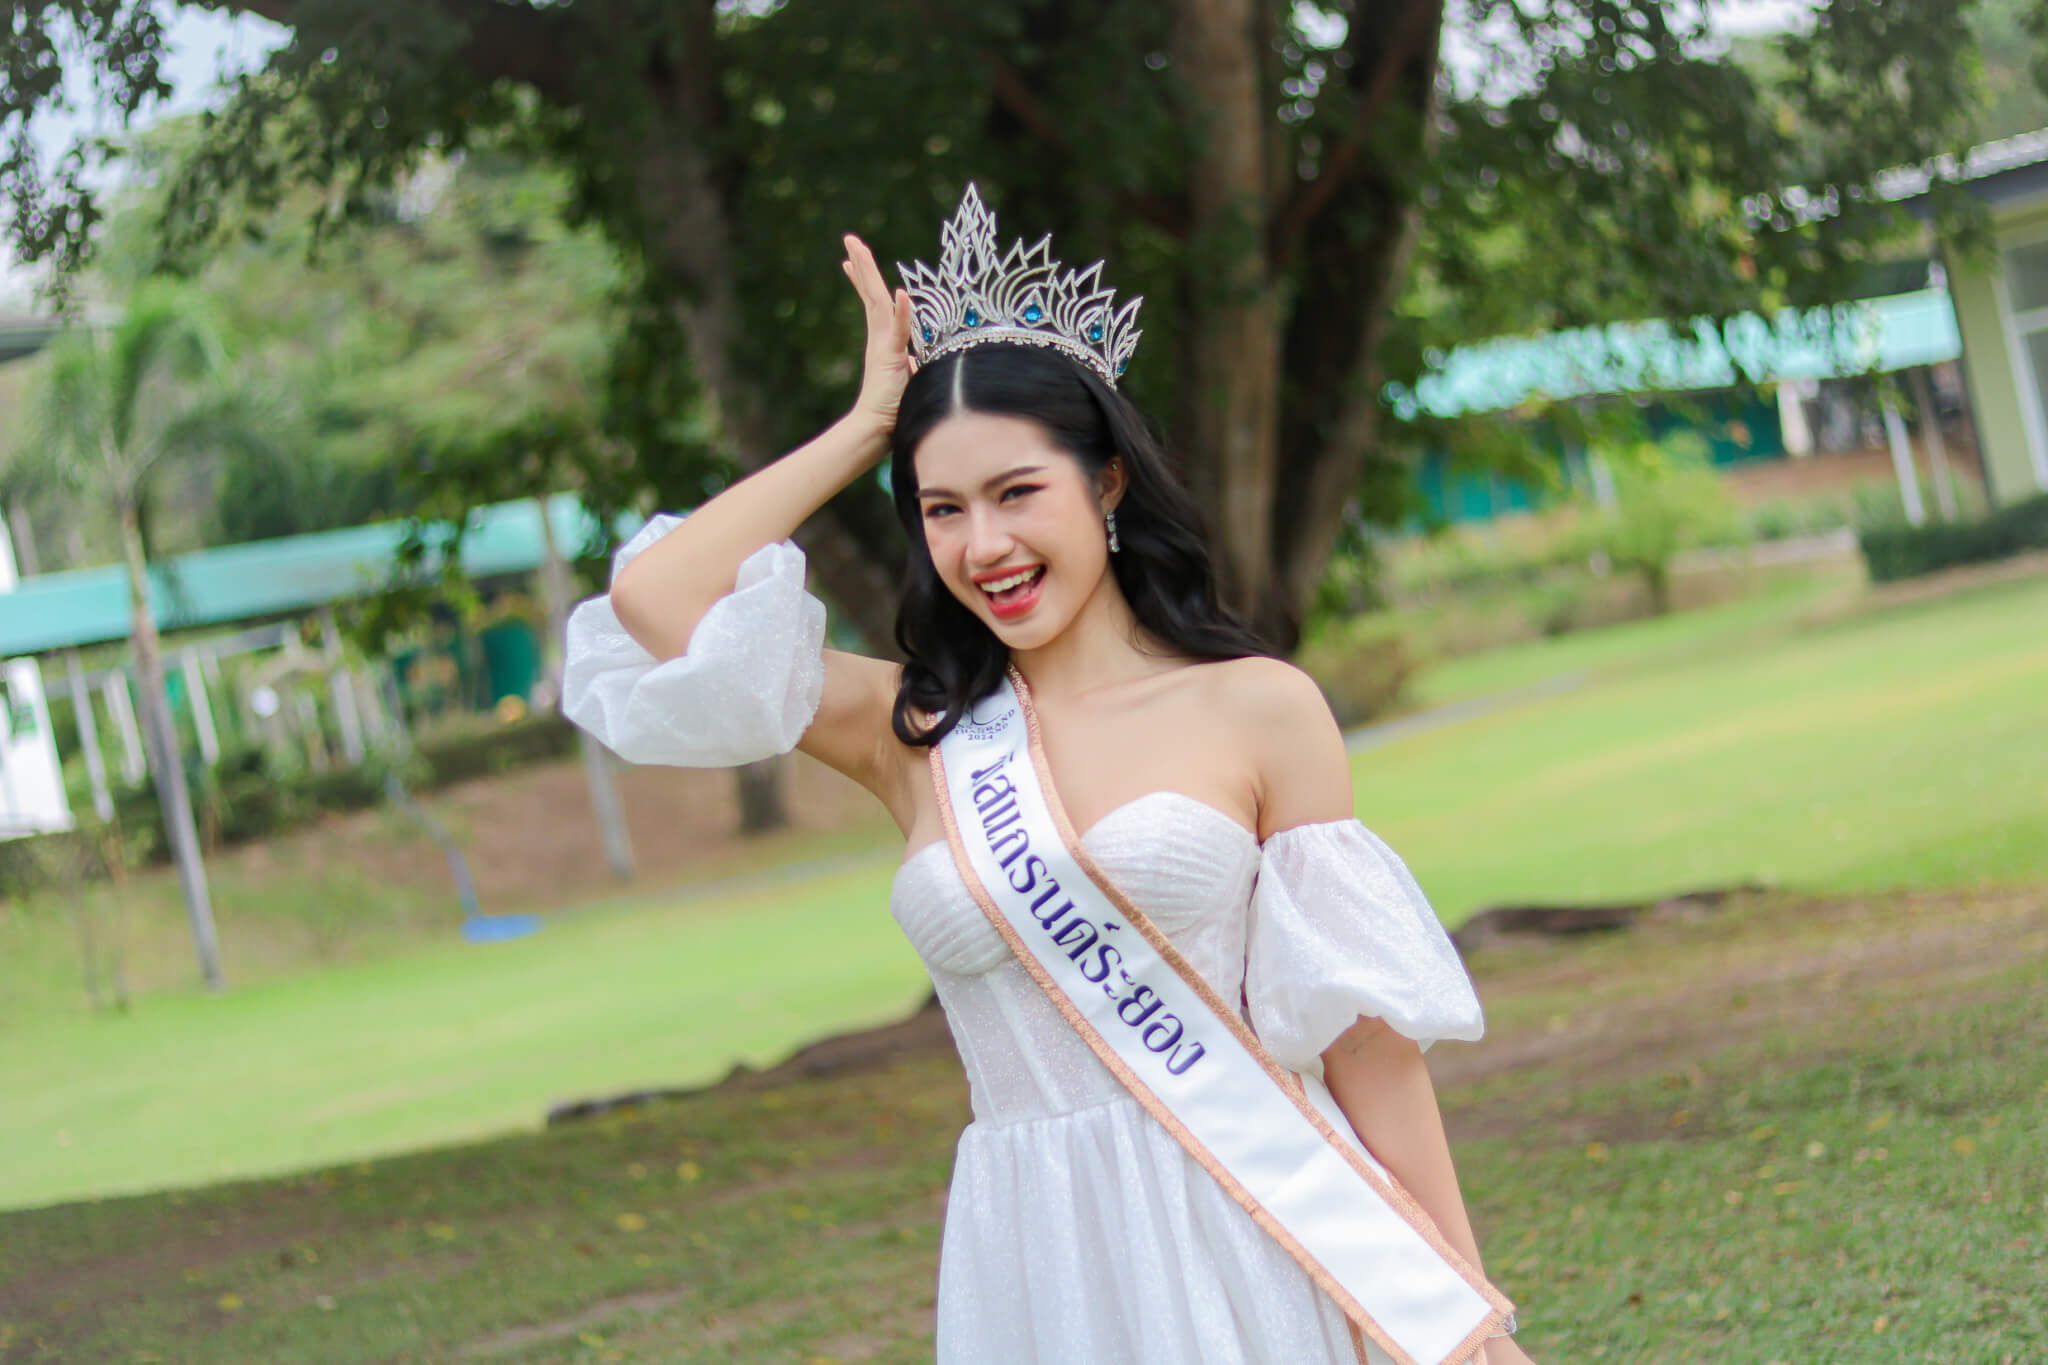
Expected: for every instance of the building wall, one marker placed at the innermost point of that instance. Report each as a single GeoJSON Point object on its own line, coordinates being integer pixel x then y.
{"type": "Point", "coordinates": [1997, 398]}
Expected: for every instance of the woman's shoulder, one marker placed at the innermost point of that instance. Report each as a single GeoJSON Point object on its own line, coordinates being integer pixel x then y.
{"type": "Point", "coordinates": [1261, 691]}
{"type": "Point", "coordinates": [1290, 736]}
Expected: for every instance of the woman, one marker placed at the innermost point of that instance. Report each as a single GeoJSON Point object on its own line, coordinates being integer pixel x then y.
{"type": "Point", "coordinates": [1049, 538]}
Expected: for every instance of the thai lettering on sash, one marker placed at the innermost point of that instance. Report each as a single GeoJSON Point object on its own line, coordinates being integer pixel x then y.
{"type": "Point", "coordinates": [999, 804]}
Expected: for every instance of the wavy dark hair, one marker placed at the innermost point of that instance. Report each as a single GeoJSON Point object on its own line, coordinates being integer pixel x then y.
{"type": "Point", "coordinates": [952, 659]}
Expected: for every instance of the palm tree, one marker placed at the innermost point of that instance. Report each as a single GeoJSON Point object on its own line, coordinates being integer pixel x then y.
{"type": "Point", "coordinates": [119, 403]}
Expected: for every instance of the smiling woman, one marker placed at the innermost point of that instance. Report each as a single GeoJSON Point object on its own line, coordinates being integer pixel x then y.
{"type": "Point", "coordinates": [1009, 459]}
{"type": "Point", "coordinates": [1190, 990]}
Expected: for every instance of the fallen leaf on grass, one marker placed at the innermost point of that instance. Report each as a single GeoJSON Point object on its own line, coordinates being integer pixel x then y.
{"type": "Point", "coordinates": [631, 1222]}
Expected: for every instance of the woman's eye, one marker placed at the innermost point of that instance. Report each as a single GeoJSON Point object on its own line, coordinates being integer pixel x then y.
{"type": "Point", "coordinates": [1019, 488]}
{"type": "Point", "coordinates": [932, 512]}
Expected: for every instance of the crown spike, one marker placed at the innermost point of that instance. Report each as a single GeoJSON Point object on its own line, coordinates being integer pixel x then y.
{"type": "Point", "coordinates": [979, 294]}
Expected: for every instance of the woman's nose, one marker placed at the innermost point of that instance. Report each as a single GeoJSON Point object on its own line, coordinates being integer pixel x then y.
{"type": "Point", "coordinates": [987, 540]}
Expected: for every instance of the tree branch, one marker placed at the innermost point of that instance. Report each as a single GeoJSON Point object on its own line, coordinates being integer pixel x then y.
{"type": "Point", "coordinates": [1421, 21]}
{"type": "Point", "coordinates": [505, 42]}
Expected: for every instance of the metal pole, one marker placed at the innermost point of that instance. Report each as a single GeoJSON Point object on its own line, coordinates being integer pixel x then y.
{"type": "Point", "coordinates": [597, 763]}
{"type": "Point", "coordinates": [1902, 462]}
{"type": "Point", "coordinates": [122, 707]}
{"type": "Point", "coordinates": [1937, 449]}
{"type": "Point", "coordinates": [88, 737]}
{"type": "Point", "coordinates": [341, 689]}
{"type": "Point", "coordinates": [202, 707]}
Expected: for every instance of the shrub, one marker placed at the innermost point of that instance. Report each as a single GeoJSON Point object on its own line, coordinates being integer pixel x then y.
{"type": "Point", "coordinates": [1895, 552]}
{"type": "Point", "coordinates": [1669, 499]}
{"type": "Point", "coordinates": [1361, 675]}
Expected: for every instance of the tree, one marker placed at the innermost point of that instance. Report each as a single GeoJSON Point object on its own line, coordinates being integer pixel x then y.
{"type": "Point", "coordinates": [1310, 200]}
{"type": "Point", "coordinates": [120, 404]}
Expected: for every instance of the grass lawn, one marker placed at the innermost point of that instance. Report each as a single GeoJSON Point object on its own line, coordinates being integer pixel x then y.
{"type": "Point", "coordinates": [1794, 1132]}
{"type": "Point", "coordinates": [442, 1042]}
{"type": "Point", "coordinates": [1772, 611]}
{"type": "Point", "coordinates": [1905, 747]}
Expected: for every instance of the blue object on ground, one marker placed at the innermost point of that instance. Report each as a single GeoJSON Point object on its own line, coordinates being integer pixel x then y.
{"type": "Point", "coordinates": [498, 928]}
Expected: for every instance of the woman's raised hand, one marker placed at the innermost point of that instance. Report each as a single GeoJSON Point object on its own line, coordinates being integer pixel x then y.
{"type": "Point", "coordinates": [889, 363]}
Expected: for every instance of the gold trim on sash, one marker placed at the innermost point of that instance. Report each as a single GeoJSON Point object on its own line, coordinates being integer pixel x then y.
{"type": "Point", "coordinates": [1288, 1083]}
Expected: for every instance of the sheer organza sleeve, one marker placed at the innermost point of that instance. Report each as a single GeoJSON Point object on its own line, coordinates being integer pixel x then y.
{"type": "Point", "coordinates": [1340, 928]}
{"type": "Point", "coordinates": [746, 688]}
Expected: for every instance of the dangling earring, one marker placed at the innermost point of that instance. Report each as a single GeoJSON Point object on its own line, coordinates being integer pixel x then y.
{"type": "Point", "coordinates": [1109, 519]}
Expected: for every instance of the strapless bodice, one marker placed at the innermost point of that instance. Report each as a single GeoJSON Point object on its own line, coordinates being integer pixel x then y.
{"type": "Point", "coordinates": [1187, 864]}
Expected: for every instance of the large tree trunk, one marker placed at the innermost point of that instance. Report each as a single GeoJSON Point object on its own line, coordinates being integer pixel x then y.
{"type": "Point", "coordinates": [1233, 345]}
{"type": "Point", "coordinates": [684, 189]}
{"type": "Point", "coordinates": [1281, 410]}
{"type": "Point", "coordinates": [763, 795]}
{"type": "Point", "coordinates": [160, 738]}
{"type": "Point", "coordinates": [1349, 235]}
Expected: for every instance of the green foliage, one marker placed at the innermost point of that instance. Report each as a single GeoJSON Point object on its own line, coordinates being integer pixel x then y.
{"type": "Point", "coordinates": [461, 307]}
{"type": "Point", "coordinates": [1899, 551]}
{"type": "Point", "coordinates": [1612, 165]}
{"type": "Point", "coordinates": [115, 405]}
{"type": "Point", "coordinates": [1362, 667]}
{"type": "Point", "coordinates": [1667, 498]}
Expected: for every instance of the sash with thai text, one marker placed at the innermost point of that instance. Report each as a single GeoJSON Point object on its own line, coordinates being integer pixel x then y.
{"type": "Point", "coordinates": [1274, 1140]}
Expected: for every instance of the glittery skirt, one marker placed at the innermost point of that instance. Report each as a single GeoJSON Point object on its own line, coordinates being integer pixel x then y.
{"type": "Point", "coordinates": [1091, 1238]}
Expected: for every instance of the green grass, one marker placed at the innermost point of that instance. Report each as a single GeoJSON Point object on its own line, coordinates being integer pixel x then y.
{"type": "Point", "coordinates": [1851, 1177]}
{"type": "Point", "coordinates": [1884, 1205]}
{"type": "Point", "coordinates": [442, 1043]}
{"type": "Point", "coordinates": [1906, 747]}
{"type": "Point", "coordinates": [1771, 612]}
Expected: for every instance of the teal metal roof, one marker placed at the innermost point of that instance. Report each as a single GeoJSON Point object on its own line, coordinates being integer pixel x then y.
{"type": "Point", "coordinates": [1890, 333]}
{"type": "Point", "coordinates": [268, 577]}
{"type": "Point", "coordinates": [22, 335]}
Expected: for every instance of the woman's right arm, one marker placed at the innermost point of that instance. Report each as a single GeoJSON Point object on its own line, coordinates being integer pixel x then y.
{"type": "Point", "coordinates": [667, 589]}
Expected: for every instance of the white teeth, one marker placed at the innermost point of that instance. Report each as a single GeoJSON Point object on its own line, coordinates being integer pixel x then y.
{"type": "Point", "coordinates": [1003, 584]}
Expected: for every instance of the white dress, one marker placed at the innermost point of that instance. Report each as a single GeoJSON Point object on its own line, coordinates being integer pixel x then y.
{"type": "Point", "coordinates": [1077, 1229]}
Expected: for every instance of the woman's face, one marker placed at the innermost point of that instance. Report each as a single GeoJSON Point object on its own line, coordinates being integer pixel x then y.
{"type": "Point", "coordinates": [1013, 523]}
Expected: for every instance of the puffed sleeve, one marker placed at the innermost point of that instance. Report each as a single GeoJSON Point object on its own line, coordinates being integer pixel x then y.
{"type": "Point", "coordinates": [1340, 928]}
{"type": "Point", "coordinates": [746, 688]}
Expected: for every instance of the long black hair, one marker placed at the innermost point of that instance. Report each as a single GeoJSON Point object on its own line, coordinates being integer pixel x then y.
{"type": "Point", "coordinates": [952, 658]}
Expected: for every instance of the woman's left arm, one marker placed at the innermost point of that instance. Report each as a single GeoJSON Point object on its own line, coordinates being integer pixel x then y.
{"type": "Point", "coordinates": [1376, 1074]}
{"type": "Point", "coordinates": [1380, 1082]}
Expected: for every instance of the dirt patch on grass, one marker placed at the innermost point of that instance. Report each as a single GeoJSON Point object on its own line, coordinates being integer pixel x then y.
{"type": "Point", "coordinates": [1666, 996]}
{"type": "Point", "coordinates": [531, 841]}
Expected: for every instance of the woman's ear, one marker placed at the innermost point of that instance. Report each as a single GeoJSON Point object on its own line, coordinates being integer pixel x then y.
{"type": "Point", "coordinates": [1110, 484]}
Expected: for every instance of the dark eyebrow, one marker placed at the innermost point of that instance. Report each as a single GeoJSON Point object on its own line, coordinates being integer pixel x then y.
{"type": "Point", "coordinates": [1006, 475]}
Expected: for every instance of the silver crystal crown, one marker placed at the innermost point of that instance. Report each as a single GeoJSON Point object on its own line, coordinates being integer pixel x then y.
{"type": "Point", "coordinates": [974, 297]}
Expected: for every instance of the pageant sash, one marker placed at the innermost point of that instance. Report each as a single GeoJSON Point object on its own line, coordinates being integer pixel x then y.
{"type": "Point", "coordinates": [1274, 1140]}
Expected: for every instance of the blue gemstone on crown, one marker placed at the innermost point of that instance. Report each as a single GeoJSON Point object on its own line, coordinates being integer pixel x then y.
{"type": "Point", "coordinates": [1095, 332]}
{"type": "Point", "coordinates": [1033, 314]}
{"type": "Point", "coordinates": [928, 334]}
{"type": "Point", "coordinates": [973, 319]}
